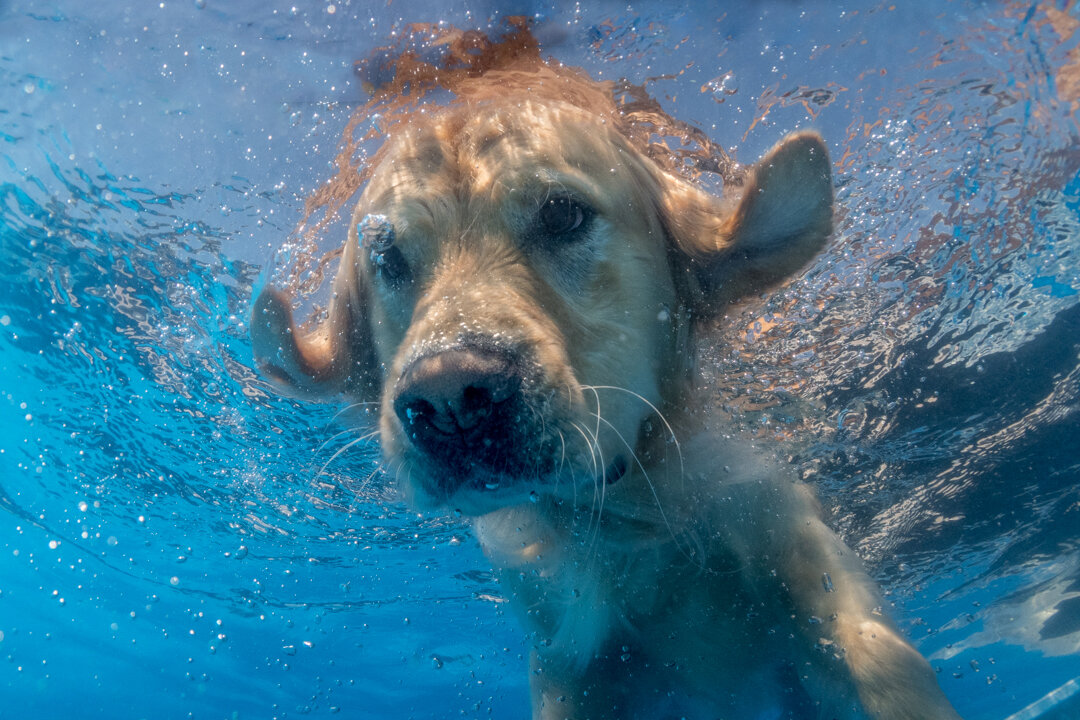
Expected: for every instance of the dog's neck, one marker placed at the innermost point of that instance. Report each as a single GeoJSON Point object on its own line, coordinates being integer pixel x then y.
{"type": "Point", "coordinates": [564, 566]}
{"type": "Point", "coordinates": [567, 560]}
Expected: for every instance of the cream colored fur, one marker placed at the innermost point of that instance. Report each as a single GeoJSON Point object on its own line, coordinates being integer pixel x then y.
{"type": "Point", "coordinates": [700, 582]}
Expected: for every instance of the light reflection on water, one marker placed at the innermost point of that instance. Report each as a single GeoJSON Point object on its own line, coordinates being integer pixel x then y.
{"type": "Point", "coordinates": [153, 485]}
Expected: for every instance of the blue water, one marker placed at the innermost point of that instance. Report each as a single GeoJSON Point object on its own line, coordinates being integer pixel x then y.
{"type": "Point", "coordinates": [176, 541]}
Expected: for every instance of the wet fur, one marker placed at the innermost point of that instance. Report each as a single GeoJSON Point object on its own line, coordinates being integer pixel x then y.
{"type": "Point", "coordinates": [700, 582]}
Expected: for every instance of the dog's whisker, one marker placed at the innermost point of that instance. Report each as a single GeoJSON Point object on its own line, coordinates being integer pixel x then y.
{"type": "Point", "coordinates": [347, 408]}
{"type": "Point", "coordinates": [593, 446]}
{"type": "Point", "coordinates": [348, 445]}
{"type": "Point", "coordinates": [562, 454]}
{"type": "Point", "coordinates": [599, 484]}
{"type": "Point", "coordinates": [599, 467]}
{"type": "Point", "coordinates": [361, 487]}
{"type": "Point", "coordinates": [335, 436]}
{"type": "Point", "coordinates": [539, 415]}
{"type": "Point", "coordinates": [589, 444]}
{"type": "Point", "coordinates": [656, 410]}
{"type": "Point", "coordinates": [652, 489]}
{"type": "Point", "coordinates": [472, 221]}
{"type": "Point", "coordinates": [596, 512]}
{"type": "Point", "coordinates": [399, 465]}
{"type": "Point", "coordinates": [597, 396]}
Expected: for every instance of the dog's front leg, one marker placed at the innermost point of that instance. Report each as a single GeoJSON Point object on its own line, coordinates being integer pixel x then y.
{"type": "Point", "coordinates": [558, 693]}
{"type": "Point", "coordinates": [839, 610]}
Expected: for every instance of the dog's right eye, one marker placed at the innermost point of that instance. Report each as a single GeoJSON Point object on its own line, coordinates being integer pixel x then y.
{"type": "Point", "coordinates": [392, 266]}
{"type": "Point", "coordinates": [376, 233]}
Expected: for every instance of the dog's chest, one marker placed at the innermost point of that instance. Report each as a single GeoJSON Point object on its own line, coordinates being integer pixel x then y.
{"type": "Point", "coordinates": [636, 625]}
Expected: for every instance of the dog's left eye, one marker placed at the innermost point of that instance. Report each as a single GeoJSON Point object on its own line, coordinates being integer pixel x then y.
{"type": "Point", "coordinates": [563, 217]}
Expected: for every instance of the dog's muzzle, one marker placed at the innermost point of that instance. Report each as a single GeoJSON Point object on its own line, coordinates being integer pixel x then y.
{"type": "Point", "coordinates": [464, 409]}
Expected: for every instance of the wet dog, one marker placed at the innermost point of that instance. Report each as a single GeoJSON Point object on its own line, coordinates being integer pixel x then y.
{"type": "Point", "coordinates": [519, 292]}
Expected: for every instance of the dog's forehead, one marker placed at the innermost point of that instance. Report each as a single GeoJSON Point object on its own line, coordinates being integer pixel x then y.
{"type": "Point", "coordinates": [535, 138]}
{"type": "Point", "coordinates": [529, 127]}
{"type": "Point", "coordinates": [479, 144]}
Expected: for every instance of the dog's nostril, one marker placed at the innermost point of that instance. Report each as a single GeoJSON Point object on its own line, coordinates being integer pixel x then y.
{"type": "Point", "coordinates": [454, 397]}
{"type": "Point", "coordinates": [413, 410]}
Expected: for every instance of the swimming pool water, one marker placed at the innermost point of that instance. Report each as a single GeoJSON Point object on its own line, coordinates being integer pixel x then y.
{"type": "Point", "coordinates": [177, 541]}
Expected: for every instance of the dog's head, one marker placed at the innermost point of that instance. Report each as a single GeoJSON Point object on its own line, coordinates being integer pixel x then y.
{"type": "Point", "coordinates": [515, 291]}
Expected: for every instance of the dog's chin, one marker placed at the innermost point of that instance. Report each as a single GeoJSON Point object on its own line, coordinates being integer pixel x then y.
{"type": "Point", "coordinates": [482, 493]}
{"type": "Point", "coordinates": [474, 503]}
{"type": "Point", "coordinates": [471, 497]}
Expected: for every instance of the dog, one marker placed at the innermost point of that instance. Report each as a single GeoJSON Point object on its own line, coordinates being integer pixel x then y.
{"type": "Point", "coordinates": [521, 291]}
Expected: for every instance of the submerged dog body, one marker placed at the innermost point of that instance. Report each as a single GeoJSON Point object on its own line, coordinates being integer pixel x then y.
{"type": "Point", "coordinates": [519, 292]}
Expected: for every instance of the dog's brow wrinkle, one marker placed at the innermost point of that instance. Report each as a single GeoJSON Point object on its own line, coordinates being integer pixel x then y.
{"type": "Point", "coordinates": [487, 143]}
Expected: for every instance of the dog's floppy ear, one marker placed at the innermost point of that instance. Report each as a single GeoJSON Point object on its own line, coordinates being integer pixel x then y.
{"type": "Point", "coordinates": [780, 221]}
{"type": "Point", "coordinates": [334, 357]}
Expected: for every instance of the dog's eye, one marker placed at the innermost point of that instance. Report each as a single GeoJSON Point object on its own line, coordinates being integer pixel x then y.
{"type": "Point", "coordinates": [563, 217]}
{"type": "Point", "coordinates": [392, 266]}
{"type": "Point", "coordinates": [376, 233]}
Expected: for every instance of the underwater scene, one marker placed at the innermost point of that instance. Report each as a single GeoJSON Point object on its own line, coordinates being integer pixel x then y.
{"type": "Point", "coordinates": [180, 540]}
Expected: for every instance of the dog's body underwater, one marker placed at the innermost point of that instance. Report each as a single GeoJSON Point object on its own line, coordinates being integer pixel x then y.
{"type": "Point", "coordinates": [519, 292]}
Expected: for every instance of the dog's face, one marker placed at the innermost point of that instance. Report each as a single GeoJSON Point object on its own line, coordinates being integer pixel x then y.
{"type": "Point", "coordinates": [528, 274]}
{"type": "Point", "coordinates": [515, 291]}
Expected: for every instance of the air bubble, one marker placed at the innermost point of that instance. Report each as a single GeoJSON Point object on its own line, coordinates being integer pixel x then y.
{"type": "Point", "coordinates": [721, 87]}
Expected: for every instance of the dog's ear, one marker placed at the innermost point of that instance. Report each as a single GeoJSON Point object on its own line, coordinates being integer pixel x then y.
{"type": "Point", "coordinates": [779, 222]}
{"type": "Point", "coordinates": [336, 356]}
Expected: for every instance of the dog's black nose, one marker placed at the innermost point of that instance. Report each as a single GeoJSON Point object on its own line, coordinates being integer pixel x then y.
{"type": "Point", "coordinates": [455, 405]}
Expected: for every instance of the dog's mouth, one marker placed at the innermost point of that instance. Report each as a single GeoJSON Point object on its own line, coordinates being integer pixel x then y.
{"type": "Point", "coordinates": [481, 428]}
{"type": "Point", "coordinates": [615, 470]}
{"type": "Point", "coordinates": [479, 491]}
{"type": "Point", "coordinates": [520, 472]}
{"type": "Point", "coordinates": [611, 475]}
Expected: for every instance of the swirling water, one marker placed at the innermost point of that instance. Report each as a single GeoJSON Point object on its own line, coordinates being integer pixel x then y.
{"type": "Point", "coordinates": [177, 541]}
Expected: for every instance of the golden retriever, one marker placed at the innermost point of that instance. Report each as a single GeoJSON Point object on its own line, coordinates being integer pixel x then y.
{"type": "Point", "coordinates": [519, 291]}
